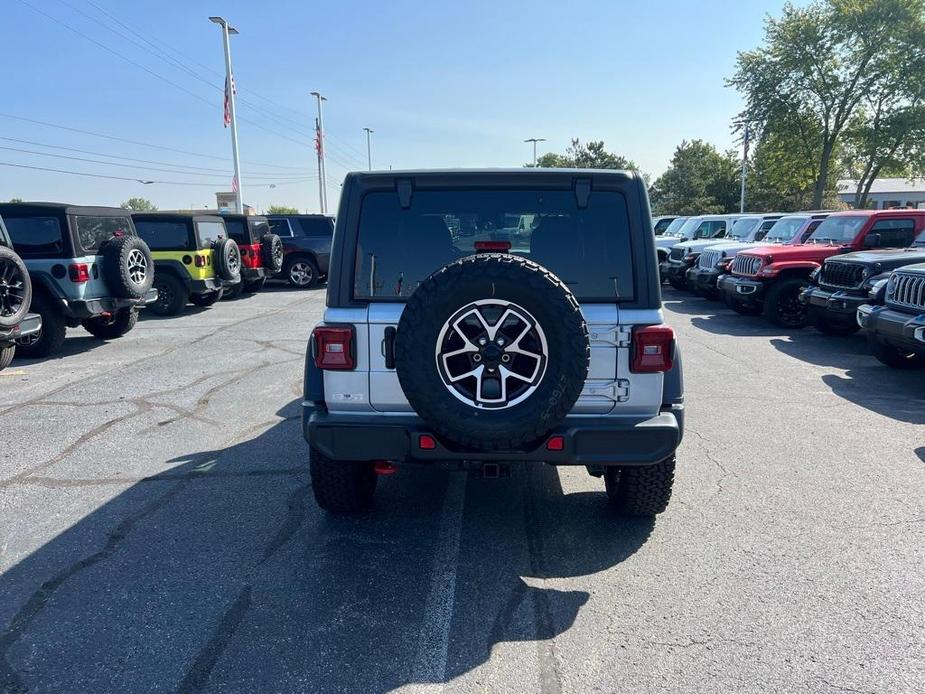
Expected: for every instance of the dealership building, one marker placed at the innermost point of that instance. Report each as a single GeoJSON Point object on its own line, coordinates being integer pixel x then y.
{"type": "Point", "coordinates": [886, 193]}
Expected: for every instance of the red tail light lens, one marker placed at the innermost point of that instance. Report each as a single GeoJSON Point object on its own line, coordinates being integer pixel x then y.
{"type": "Point", "coordinates": [333, 348]}
{"type": "Point", "coordinates": [200, 261]}
{"type": "Point", "coordinates": [79, 272]}
{"type": "Point", "coordinates": [653, 349]}
{"type": "Point", "coordinates": [426, 442]}
{"type": "Point", "coordinates": [496, 246]}
{"type": "Point", "coordinates": [555, 443]}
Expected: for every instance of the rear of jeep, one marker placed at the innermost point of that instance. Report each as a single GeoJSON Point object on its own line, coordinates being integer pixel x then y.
{"type": "Point", "coordinates": [88, 267]}
{"type": "Point", "coordinates": [480, 318]}
{"type": "Point", "coordinates": [261, 251]}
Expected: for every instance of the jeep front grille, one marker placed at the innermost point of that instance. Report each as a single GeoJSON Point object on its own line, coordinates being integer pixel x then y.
{"type": "Point", "coordinates": [709, 259]}
{"type": "Point", "coordinates": [746, 265]}
{"type": "Point", "coordinates": [907, 290]}
{"type": "Point", "coordinates": [676, 254]}
{"type": "Point", "coordinates": [842, 275]}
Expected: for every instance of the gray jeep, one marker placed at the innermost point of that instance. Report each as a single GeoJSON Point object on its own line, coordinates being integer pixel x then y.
{"type": "Point", "coordinates": [480, 318]}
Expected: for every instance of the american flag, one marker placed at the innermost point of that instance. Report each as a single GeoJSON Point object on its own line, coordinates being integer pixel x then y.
{"type": "Point", "coordinates": [234, 184]}
{"type": "Point", "coordinates": [319, 145]}
{"type": "Point", "coordinates": [228, 94]}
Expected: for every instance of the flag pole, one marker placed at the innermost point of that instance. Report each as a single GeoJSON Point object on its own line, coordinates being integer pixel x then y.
{"type": "Point", "coordinates": [227, 29]}
{"type": "Point", "coordinates": [744, 170]}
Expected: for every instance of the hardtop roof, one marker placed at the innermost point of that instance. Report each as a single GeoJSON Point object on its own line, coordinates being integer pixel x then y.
{"type": "Point", "coordinates": [13, 209]}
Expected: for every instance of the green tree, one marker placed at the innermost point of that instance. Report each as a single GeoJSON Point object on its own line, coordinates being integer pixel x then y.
{"type": "Point", "coordinates": [699, 180]}
{"type": "Point", "coordinates": [281, 209]}
{"type": "Point", "coordinates": [139, 205]}
{"type": "Point", "coordinates": [15, 199]}
{"type": "Point", "coordinates": [819, 62]}
{"type": "Point", "coordinates": [592, 155]}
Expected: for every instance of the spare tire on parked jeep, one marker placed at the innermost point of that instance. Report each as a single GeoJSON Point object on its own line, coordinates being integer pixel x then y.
{"type": "Point", "coordinates": [510, 351]}
{"type": "Point", "coordinates": [127, 266]}
{"type": "Point", "coordinates": [227, 258]}
{"type": "Point", "coordinates": [15, 288]}
{"type": "Point", "coordinates": [271, 253]}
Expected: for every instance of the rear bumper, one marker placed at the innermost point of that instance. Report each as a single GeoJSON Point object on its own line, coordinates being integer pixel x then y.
{"type": "Point", "coordinates": [897, 328]}
{"type": "Point", "coordinates": [88, 308]}
{"type": "Point", "coordinates": [252, 274]}
{"type": "Point", "coordinates": [599, 441]}
{"type": "Point", "coordinates": [838, 307]}
{"type": "Point", "coordinates": [741, 289]}
{"type": "Point", "coordinates": [703, 279]}
{"type": "Point", "coordinates": [206, 286]}
{"type": "Point", "coordinates": [31, 323]}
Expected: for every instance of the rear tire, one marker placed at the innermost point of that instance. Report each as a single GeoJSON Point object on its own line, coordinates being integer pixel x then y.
{"type": "Point", "coordinates": [15, 288]}
{"type": "Point", "coordinates": [6, 355]}
{"type": "Point", "coordinates": [171, 296]}
{"type": "Point", "coordinates": [50, 338]}
{"type": "Point", "coordinates": [127, 266]}
{"type": "Point", "coordinates": [255, 286]}
{"type": "Point", "coordinates": [206, 300]}
{"type": "Point", "coordinates": [342, 486]}
{"type": "Point", "coordinates": [828, 328]}
{"type": "Point", "coordinates": [121, 323]}
{"type": "Point", "coordinates": [740, 307]}
{"type": "Point", "coordinates": [894, 357]}
{"type": "Point", "coordinates": [678, 283]}
{"type": "Point", "coordinates": [783, 307]}
{"type": "Point", "coordinates": [640, 490]}
{"type": "Point", "coordinates": [301, 272]}
{"type": "Point", "coordinates": [234, 291]}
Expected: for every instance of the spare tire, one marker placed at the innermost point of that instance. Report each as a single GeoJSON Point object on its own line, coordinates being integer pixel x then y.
{"type": "Point", "coordinates": [15, 288]}
{"type": "Point", "coordinates": [227, 258]}
{"type": "Point", "coordinates": [127, 266]}
{"type": "Point", "coordinates": [271, 253]}
{"type": "Point", "coordinates": [492, 351]}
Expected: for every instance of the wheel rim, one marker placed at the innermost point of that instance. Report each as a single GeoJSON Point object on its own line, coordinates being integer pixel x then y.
{"type": "Point", "coordinates": [277, 255]}
{"type": "Point", "coordinates": [491, 354]}
{"type": "Point", "coordinates": [165, 297]}
{"type": "Point", "coordinates": [12, 288]}
{"type": "Point", "coordinates": [301, 273]}
{"type": "Point", "coordinates": [137, 266]}
{"type": "Point", "coordinates": [790, 310]}
{"type": "Point", "coordinates": [234, 261]}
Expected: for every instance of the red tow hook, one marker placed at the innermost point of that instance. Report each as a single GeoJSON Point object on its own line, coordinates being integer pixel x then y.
{"type": "Point", "coordinates": [384, 468]}
{"type": "Point", "coordinates": [106, 314]}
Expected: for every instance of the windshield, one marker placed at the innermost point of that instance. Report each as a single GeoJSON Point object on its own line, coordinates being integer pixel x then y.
{"type": "Point", "coordinates": [837, 230]}
{"type": "Point", "coordinates": [744, 228]}
{"type": "Point", "coordinates": [919, 240]}
{"type": "Point", "coordinates": [784, 229]}
{"type": "Point", "coordinates": [674, 229]}
{"type": "Point", "coordinates": [687, 229]}
{"type": "Point", "coordinates": [587, 247]}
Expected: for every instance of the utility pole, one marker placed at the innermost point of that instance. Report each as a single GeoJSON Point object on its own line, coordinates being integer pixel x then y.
{"type": "Point", "coordinates": [369, 152]}
{"type": "Point", "coordinates": [227, 30]}
{"type": "Point", "coordinates": [534, 140]}
{"type": "Point", "coordinates": [319, 135]}
{"type": "Point", "coordinates": [745, 144]}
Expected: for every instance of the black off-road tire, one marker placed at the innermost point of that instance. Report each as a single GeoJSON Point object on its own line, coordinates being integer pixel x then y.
{"type": "Point", "coordinates": [206, 300]}
{"type": "Point", "coordinates": [6, 355]}
{"type": "Point", "coordinates": [640, 490]}
{"type": "Point", "coordinates": [50, 338]}
{"type": "Point", "coordinates": [836, 329]}
{"type": "Point", "coordinates": [741, 307]}
{"type": "Point", "coordinates": [342, 486]}
{"type": "Point", "coordinates": [301, 272]}
{"type": "Point", "coordinates": [227, 259]}
{"type": "Point", "coordinates": [122, 321]}
{"type": "Point", "coordinates": [783, 307]}
{"type": "Point", "coordinates": [894, 357]}
{"type": "Point", "coordinates": [254, 286]}
{"type": "Point", "coordinates": [272, 253]}
{"type": "Point", "coordinates": [531, 287]}
{"type": "Point", "coordinates": [678, 283]}
{"type": "Point", "coordinates": [15, 288]}
{"type": "Point", "coordinates": [128, 268]}
{"type": "Point", "coordinates": [171, 295]}
{"type": "Point", "coordinates": [234, 291]}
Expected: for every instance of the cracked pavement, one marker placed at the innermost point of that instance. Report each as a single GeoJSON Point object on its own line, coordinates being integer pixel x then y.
{"type": "Point", "coordinates": [157, 531]}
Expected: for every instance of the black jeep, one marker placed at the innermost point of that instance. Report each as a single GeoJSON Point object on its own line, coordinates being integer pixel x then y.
{"type": "Point", "coordinates": [896, 329]}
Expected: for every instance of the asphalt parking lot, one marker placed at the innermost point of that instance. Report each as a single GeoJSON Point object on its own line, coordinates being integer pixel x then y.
{"type": "Point", "coordinates": [157, 531]}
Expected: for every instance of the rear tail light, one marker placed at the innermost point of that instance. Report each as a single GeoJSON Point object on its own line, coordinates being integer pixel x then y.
{"type": "Point", "coordinates": [426, 442]}
{"type": "Point", "coordinates": [333, 347]}
{"type": "Point", "coordinates": [200, 261]}
{"type": "Point", "coordinates": [496, 246]}
{"type": "Point", "coordinates": [653, 349]}
{"type": "Point", "coordinates": [79, 272]}
{"type": "Point", "coordinates": [555, 443]}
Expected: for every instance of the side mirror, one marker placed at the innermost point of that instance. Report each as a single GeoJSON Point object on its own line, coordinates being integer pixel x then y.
{"type": "Point", "coordinates": [872, 241]}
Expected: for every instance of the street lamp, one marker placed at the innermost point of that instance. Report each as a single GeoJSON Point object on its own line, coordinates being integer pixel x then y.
{"type": "Point", "coordinates": [227, 30]}
{"type": "Point", "coordinates": [534, 140]}
{"type": "Point", "coordinates": [369, 155]}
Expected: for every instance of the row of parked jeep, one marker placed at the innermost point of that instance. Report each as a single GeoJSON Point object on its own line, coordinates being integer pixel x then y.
{"type": "Point", "coordinates": [838, 271]}
{"type": "Point", "coordinates": [63, 266]}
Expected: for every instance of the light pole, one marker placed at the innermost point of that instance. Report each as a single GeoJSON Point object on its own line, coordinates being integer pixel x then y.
{"type": "Point", "coordinates": [319, 145]}
{"type": "Point", "coordinates": [534, 140]}
{"type": "Point", "coordinates": [227, 30]}
{"type": "Point", "coordinates": [745, 144]}
{"type": "Point", "coordinates": [369, 152]}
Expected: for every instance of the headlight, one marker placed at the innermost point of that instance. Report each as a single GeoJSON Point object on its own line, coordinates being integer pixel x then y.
{"type": "Point", "coordinates": [876, 288]}
{"type": "Point", "coordinates": [865, 273]}
{"type": "Point", "coordinates": [814, 274]}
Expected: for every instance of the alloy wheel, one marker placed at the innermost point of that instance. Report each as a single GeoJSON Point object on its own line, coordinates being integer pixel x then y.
{"type": "Point", "coordinates": [137, 266]}
{"type": "Point", "coordinates": [12, 288]}
{"type": "Point", "coordinates": [301, 273]}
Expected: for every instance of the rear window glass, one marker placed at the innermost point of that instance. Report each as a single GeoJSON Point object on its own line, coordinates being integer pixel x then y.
{"type": "Point", "coordinates": [163, 235]}
{"type": "Point", "coordinates": [237, 231]}
{"type": "Point", "coordinates": [588, 248]}
{"type": "Point", "coordinates": [280, 227]}
{"type": "Point", "coordinates": [35, 236]}
{"type": "Point", "coordinates": [210, 232]}
{"type": "Point", "coordinates": [92, 231]}
{"type": "Point", "coordinates": [259, 229]}
{"type": "Point", "coordinates": [314, 226]}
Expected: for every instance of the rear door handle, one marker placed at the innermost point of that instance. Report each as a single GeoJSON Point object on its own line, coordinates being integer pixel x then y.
{"type": "Point", "coordinates": [388, 347]}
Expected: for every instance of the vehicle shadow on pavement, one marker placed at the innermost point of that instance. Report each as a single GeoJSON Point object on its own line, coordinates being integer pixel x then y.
{"type": "Point", "coordinates": [892, 393]}
{"type": "Point", "coordinates": [76, 344]}
{"type": "Point", "coordinates": [189, 311]}
{"type": "Point", "coordinates": [920, 452]}
{"type": "Point", "coordinates": [219, 572]}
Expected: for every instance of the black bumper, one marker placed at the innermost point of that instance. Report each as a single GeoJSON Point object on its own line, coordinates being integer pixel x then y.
{"type": "Point", "coordinates": [672, 270]}
{"type": "Point", "coordinates": [599, 441]}
{"type": "Point", "coordinates": [88, 308]}
{"type": "Point", "coordinates": [740, 289]}
{"type": "Point", "coordinates": [31, 323]}
{"type": "Point", "coordinates": [897, 328]}
{"type": "Point", "coordinates": [206, 286]}
{"type": "Point", "coordinates": [702, 279]}
{"type": "Point", "coordinates": [838, 307]}
{"type": "Point", "coordinates": [253, 274]}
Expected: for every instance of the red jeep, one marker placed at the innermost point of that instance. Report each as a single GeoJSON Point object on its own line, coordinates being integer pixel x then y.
{"type": "Point", "coordinates": [768, 280]}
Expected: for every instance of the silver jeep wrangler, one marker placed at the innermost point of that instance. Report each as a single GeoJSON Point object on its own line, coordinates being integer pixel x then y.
{"type": "Point", "coordinates": [480, 318]}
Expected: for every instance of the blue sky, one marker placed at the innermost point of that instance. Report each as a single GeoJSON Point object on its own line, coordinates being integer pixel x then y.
{"type": "Point", "coordinates": [442, 84]}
